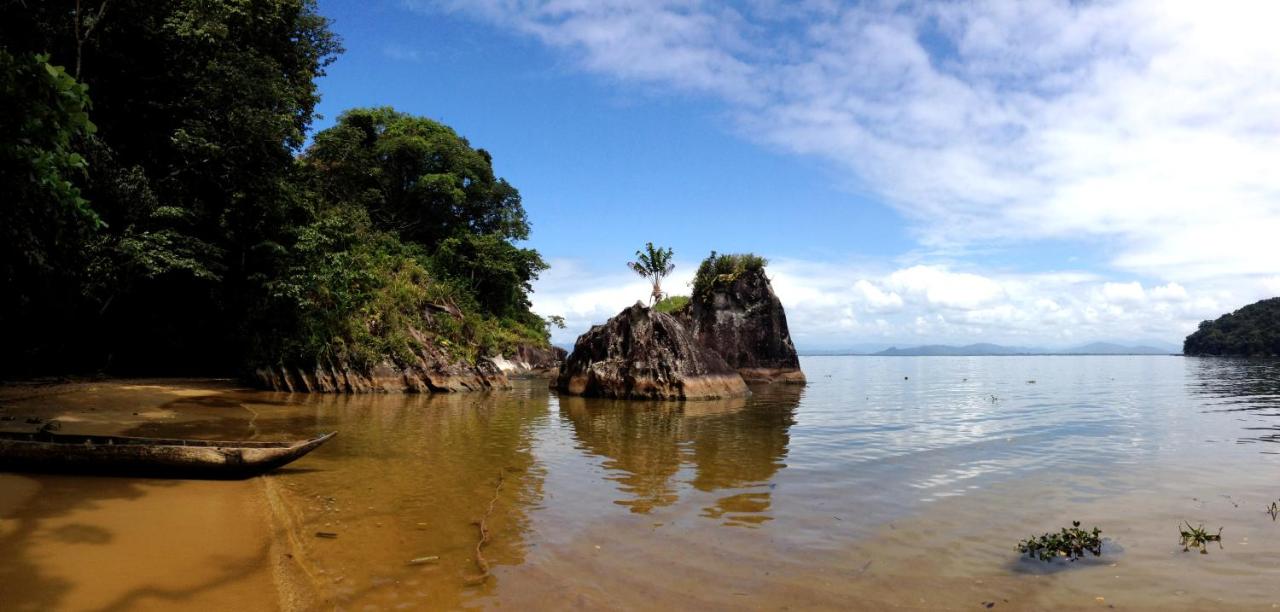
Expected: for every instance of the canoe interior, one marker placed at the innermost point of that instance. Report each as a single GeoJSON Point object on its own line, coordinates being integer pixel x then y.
{"type": "Point", "coordinates": [160, 457]}
{"type": "Point", "coordinates": [56, 438]}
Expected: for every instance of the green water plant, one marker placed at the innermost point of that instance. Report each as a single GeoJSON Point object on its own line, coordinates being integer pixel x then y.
{"type": "Point", "coordinates": [1069, 543]}
{"type": "Point", "coordinates": [1197, 537]}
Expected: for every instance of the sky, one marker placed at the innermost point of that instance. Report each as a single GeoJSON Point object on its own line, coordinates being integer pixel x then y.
{"type": "Point", "coordinates": [1036, 173]}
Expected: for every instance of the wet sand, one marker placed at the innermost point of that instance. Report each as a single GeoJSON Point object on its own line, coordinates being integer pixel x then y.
{"type": "Point", "coordinates": [95, 543]}
{"type": "Point", "coordinates": [747, 503]}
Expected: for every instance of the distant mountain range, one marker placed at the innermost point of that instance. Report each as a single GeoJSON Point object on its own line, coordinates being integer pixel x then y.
{"type": "Point", "coordinates": [988, 349]}
{"type": "Point", "coordinates": [1096, 348]}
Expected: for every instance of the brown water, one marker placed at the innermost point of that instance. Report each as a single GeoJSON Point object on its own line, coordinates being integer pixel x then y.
{"type": "Point", "coordinates": [885, 483]}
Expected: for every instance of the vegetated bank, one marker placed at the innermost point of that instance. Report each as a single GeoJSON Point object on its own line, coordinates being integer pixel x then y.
{"type": "Point", "coordinates": [1252, 331]}
{"type": "Point", "coordinates": [163, 217]}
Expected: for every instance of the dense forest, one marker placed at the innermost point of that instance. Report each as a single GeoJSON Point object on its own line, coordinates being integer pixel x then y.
{"type": "Point", "coordinates": [1252, 331]}
{"type": "Point", "coordinates": [162, 216]}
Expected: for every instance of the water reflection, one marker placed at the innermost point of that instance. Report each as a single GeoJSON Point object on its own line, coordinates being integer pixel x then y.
{"type": "Point", "coordinates": [1249, 389]}
{"type": "Point", "coordinates": [408, 477]}
{"type": "Point", "coordinates": [734, 446]}
{"type": "Point", "coordinates": [925, 466]}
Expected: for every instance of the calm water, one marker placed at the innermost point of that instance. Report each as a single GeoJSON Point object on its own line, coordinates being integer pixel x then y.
{"type": "Point", "coordinates": [886, 482]}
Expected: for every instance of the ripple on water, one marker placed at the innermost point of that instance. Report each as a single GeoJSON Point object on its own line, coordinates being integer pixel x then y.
{"type": "Point", "coordinates": [885, 480]}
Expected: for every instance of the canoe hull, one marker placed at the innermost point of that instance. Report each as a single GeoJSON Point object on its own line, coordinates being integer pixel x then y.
{"type": "Point", "coordinates": [144, 457]}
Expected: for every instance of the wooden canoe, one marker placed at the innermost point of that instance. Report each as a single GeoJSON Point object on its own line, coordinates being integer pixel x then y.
{"type": "Point", "coordinates": [53, 452]}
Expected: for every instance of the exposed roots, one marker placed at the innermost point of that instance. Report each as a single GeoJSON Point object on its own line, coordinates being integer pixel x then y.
{"type": "Point", "coordinates": [482, 525]}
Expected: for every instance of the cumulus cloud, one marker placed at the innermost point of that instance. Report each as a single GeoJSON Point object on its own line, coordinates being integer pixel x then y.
{"type": "Point", "coordinates": [875, 298]}
{"type": "Point", "coordinates": [1172, 292]}
{"type": "Point", "coordinates": [940, 287]}
{"type": "Point", "coordinates": [837, 305]}
{"type": "Point", "coordinates": [1153, 125]}
{"type": "Point", "coordinates": [1124, 293]}
{"type": "Point", "coordinates": [1149, 126]}
{"type": "Point", "coordinates": [585, 296]}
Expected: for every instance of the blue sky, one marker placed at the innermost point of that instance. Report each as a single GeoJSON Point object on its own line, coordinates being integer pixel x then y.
{"type": "Point", "coordinates": [1039, 173]}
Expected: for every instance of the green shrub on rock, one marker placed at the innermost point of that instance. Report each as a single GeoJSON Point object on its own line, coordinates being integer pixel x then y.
{"type": "Point", "coordinates": [671, 303]}
{"type": "Point", "coordinates": [723, 268]}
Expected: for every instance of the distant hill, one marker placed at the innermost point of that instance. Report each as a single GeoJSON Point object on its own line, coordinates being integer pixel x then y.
{"type": "Point", "coordinates": [986, 349]}
{"type": "Point", "coordinates": [853, 349]}
{"type": "Point", "coordinates": [958, 351]}
{"type": "Point", "coordinates": [1107, 348]}
{"type": "Point", "coordinates": [1252, 331]}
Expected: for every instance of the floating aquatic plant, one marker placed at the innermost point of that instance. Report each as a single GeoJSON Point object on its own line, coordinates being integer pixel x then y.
{"type": "Point", "coordinates": [1197, 537]}
{"type": "Point", "coordinates": [1070, 544]}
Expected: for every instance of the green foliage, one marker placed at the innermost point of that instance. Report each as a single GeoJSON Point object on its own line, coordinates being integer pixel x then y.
{"type": "Point", "coordinates": [357, 295]}
{"type": "Point", "coordinates": [1069, 543]}
{"type": "Point", "coordinates": [723, 268]}
{"type": "Point", "coordinates": [496, 272]}
{"type": "Point", "coordinates": [199, 107]}
{"type": "Point", "coordinates": [1252, 331]}
{"type": "Point", "coordinates": [45, 219]}
{"type": "Point", "coordinates": [47, 112]}
{"type": "Point", "coordinates": [1197, 537]}
{"type": "Point", "coordinates": [46, 116]}
{"type": "Point", "coordinates": [416, 177]}
{"type": "Point", "coordinates": [414, 245]}
{"type": "Point", "coordinates": [671, 303]}
{"type": "Point", "coordinates": [187, 235]}
{"type": "Point", "coordinates": [653, 264]}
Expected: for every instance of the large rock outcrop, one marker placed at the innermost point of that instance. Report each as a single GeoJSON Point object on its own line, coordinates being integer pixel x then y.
{"type": "Point", "coordinates": [643, 354]}
{"type": "Point", "coordinates": [531, 361]}
{"type": "Point", "coordinates": [740, 318]}
{"type": "Point", "coordinates": [432, 370]}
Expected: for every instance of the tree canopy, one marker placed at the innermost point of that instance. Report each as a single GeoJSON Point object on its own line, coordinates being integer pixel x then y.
{"type": "Point", "coordinates": [423, 182]}
{"type": "Point", "coordinates": [161, 216]}
{"type": "Point", "coordinates": [1252, 331]}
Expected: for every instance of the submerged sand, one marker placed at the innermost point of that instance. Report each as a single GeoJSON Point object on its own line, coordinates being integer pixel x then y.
{"type": "Point", "coordinates": [596, 504]}
{"type": "Point", "coordinates": [101, 543]}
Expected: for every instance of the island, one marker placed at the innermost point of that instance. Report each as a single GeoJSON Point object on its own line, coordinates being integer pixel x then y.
{"type": "Point", "coordinates": [731, 331]}
{"type": "Point", "coordinates": [1252, 331]}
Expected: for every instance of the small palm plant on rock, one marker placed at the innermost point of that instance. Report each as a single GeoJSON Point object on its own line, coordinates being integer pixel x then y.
{"type": "Point", "coordinates": [653, 264]}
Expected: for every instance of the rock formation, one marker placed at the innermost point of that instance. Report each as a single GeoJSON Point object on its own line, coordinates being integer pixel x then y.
{"type": "Point", "coordinates": [740, 318]}
{"type": "Point", "coordinates": [531, 361]}
{"type": "Point", "coordinates": [432, 371]}
{"type": "Point", "coordinates": [643, 354]}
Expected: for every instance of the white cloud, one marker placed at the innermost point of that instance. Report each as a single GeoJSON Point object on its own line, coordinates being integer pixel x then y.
{"type": "Point", "coordinates": [585, 297]}
{"type": "Point", "coordinates": [1271, 285]}
{"type": "Point", "coordinates": [1124, 293]}
{"type": "Point", "coordinates": [1148, 126]}
{"type": "Point", "coordinates": [835, 306]}
{"type": "Point", "coordinates": [1172, 292]}
{"type": "Point", "coordinates": [1153, 125]}
{"type": "Point", "coordinates": [876, 299]}
{"type": "Point", "coordinates": [940, 287]}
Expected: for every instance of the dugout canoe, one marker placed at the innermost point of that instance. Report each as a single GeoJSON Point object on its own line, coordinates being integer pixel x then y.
{"type": "Point", "coordinates": [119, 455]}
